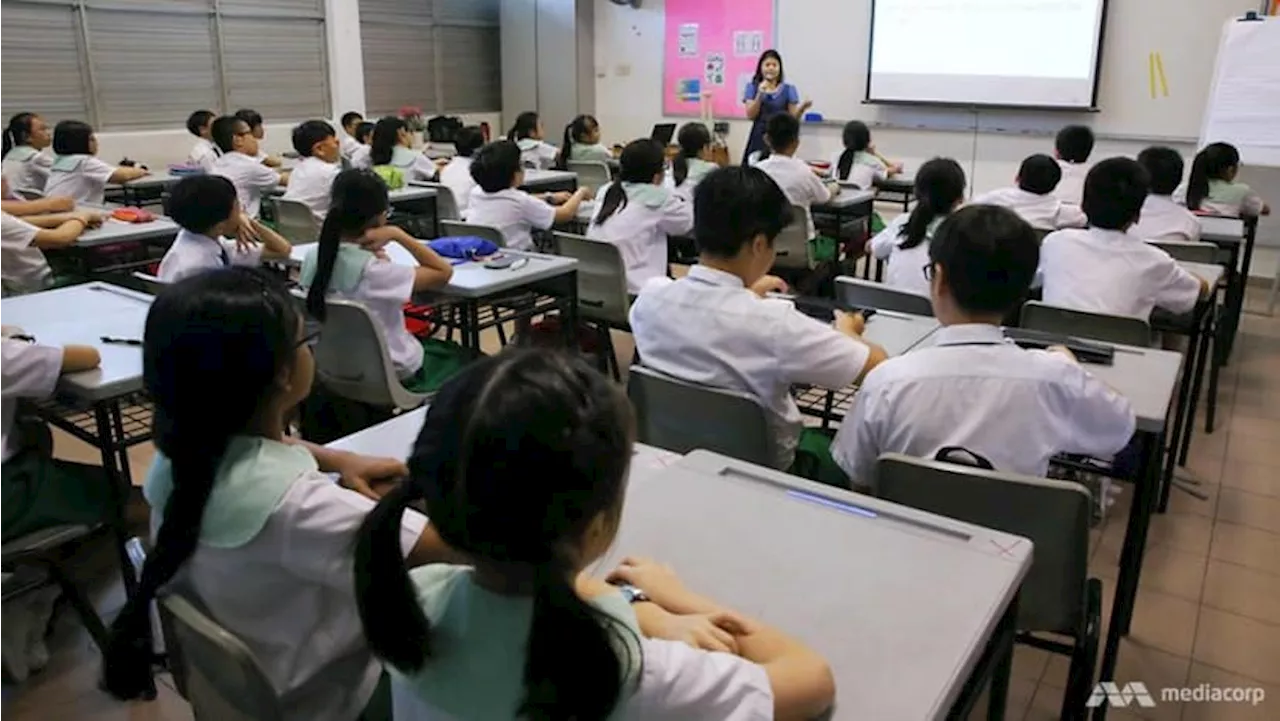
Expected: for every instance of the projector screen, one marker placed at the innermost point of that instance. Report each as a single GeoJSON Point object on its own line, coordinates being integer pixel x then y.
{"type": "Point", "coordinates": [1013, 53]}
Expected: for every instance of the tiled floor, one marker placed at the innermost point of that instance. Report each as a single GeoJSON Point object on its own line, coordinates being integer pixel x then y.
{"type": "Point", "coordinates": [1208, 607]}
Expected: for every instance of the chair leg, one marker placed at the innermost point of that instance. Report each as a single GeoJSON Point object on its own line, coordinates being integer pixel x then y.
{"type": "Point", "coordinates": [611, 355]}
{"type": "Point", "coordinates": [1216, 361]}
{"type": "Point", "coordinates": [1084, 658]}
{"type": "Point", "coordinates": [1202, 357]}
{"type": "Point", "coordinates": [80, 603]}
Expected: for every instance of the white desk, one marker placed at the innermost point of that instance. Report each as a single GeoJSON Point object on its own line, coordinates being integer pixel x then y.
{"type": "Point", "coordinates": [543, 179]}
{"type": "Point", "coordinates": [118, 231]}
{"type": "Point", "coordinates": [897, 332]}
{"type": "Point", "coordinates": [410, 193]}
{"type": "Point", "coordinates": [847, 198]}
{"type": "Point", "coordinates": [1211, 272]}
{"type": "Point", "coordinates": [1221, 230]}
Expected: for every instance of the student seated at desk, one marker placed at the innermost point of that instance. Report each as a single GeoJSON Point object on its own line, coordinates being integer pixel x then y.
{"type": "Point", "coordinates": [1033, 200]}
{"type": "Point", "coordinates": [637, 214]}
{"type": "Point", "coordinates": [360, 156]}
{"type": "Point", "coordinates": [456, 174]}
{"type": "Point", "coordinates": [796, 177]}
{"type": "Point", "coordinates": [351, 122]}
{"type": "Point", "coordinates": [311, 181]}
{"type": "Point", "coordinates": [859, 164]}
{"type": "Point", "coordinates": [693, 162]}
{"type": "Point", "coordinates": [257, 126]}
{"type": "Point", "coordinates": [969, 387]}
{"type": "Point", "coordinates": [499, 203]}
{"type": "Point", "coordinates": [528, 135]}
{"type": "Point", "coordinates": [715, 327]}
{"type": "Point", "coordinates": [522, 631]}
{"type": "Point", "coordinates": [1107, 269]}
{"type": "Point", "coordinates": [15, 205]}
{"type": "Point", "coordinates": [26, 164]}
{"type": "Point", "coordinates": [582, 143]}
{"type": "Point", "coordinates": [246, 521]}
{"type": "Point", "coordinates": [239, 164]}
{"type": "Point", "coordinates": [1073, 145]}
{"type": "Point", "coordinates": [1162, 217]}
{"type": "Point", "coordinates": [206, 208]}
{"type": "Point", "coordinates": [77, 172]}
{"type": "Point", "coordinates": [905, 242]}
{"type": "Point", "coordinates": [393, 157]}
{"type": "Point", "coordinates": [204, 152]}
{"type": "Point", "coordinates": [1212, 186]}
{"type": "Point", "coordinates": [24, 240]}
{"type": "Point", "coordinates": [347, 263]}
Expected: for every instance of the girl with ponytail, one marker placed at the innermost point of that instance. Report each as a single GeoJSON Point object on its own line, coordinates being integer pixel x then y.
{"type": "Point", "coordinates": [244, 521]}
{"type": "Point", "coordinates": [527, 134]}
{"type": "Point", "coordinates": [26, 165]}
{"type": "Point", "coordinates": [859, 164]}
{"type": "Point", "coordinates": [1212, 184]}
{"type": "Point", "coordinates": [523, 632]}
{"type": "Point", "coordinates": [693, 162]}
{"type": "Point", "coordinates": [582, 143]}
{"type": "Point", "coordinates": [939, 189]}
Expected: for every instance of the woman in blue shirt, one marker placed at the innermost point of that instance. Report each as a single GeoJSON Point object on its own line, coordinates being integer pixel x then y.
{"type": "Point", "coordinates": [766, 96]}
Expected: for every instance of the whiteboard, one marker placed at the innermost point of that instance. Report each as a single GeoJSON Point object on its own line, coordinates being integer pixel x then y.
{"type": "Point", "coordinates": [1244, 102]}
{"type": "Point", "coordinates": [824, 46]}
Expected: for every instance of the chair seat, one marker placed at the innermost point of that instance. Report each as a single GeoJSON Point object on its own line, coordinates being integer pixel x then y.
{"type": "Point", "coordinates": [43, 541]}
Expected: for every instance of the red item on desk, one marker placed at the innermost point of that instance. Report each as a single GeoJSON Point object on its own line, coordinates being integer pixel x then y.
{"type": "Point", "coordinates": [133, 215]}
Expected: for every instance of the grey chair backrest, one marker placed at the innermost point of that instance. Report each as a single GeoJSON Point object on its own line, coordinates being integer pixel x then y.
{"type": "Point", "coordinates": [28, 193]}
{"type": "Point", "coordinates": [792, 244]}
{"type": "Point", "coordinates": [870, 294]}
{"type": "Point", "coordinates": [458, 229]}
{"type": "Point", "coordinates": [1053, 515]}
{"type": "Point", "coordinates": [213, 669]}
{"type": "Point", "coordinates": [591, 173]}
{"type": "Point", "coordinates": [295, 222]}
{"type": "Point", "coordinates": [446, 204]}
{"type": "Point", "coordinates": [681, 417]}
{"type": "Point", "coordinates": [1083, 324]}
{"type": "Point", "coordinates": [1189, 252]}
{"type": "Point", "coordinates": [602, 278]}
{"type": "Point", "coordinates": [353, 362]}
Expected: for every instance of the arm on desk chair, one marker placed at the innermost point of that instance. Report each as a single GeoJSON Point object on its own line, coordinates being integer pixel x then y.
{"type": "Point", "coordinates": [124, 174]}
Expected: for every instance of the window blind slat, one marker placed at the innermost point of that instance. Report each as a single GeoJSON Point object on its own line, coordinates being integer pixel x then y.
{"type": "Point", "coordinates": [277, 67]}
{"type": "Point", "coordinates": [472, 74]}
{"type": "Point", "coordinates": [275, 8]}
{"type": "Point", "coordinates": [399, 68]}
{"type": "Point", "coordinates": [42, 72]}
{"type": "Point", "coordinates": [468, 11]}
{"type": "Point", "coordinates": [397, 12]}
{"type": "Point", "coordinates": [194, 6]}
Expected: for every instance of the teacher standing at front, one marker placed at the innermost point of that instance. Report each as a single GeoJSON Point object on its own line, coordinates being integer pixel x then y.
{"type": "Point", "coordinates": [767, 95]}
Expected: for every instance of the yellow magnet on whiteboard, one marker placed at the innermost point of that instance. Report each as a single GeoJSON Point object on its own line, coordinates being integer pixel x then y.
{"type": "Point", "coordinates": [1164, 81]}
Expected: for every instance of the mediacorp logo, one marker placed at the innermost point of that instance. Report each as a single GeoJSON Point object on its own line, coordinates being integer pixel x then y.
{"type": "Point", "coordinates": [1136, 693]}
{"type": "Point", "coordinates": [1121, 696]}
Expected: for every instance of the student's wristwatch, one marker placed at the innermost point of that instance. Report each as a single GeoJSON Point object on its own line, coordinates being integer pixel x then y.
{"type": "Point", "coordinates": [632, 594]}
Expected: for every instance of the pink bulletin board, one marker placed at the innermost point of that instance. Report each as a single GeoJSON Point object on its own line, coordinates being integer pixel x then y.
{"type": "Point", "coordinates": [712, 46]}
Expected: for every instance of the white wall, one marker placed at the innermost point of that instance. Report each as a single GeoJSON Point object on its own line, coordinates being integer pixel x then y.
{"type": "Point", "coordinates": [547, 60]}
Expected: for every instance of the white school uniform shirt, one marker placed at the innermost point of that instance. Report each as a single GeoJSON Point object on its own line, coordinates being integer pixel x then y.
{"type": "Point", "coordinates": [82, 177]}
{"type": "Point", "coordinates": [204, 153]}
{"type": "Point", "coordinates": [192, 253]}
{"type": "Point", "coordinates": [348, 145]}
{"type": "Point", "coordinates": [29, 372]}
{"type": "Point", "coordinates": [456, 176]}
{"type": "Point", "coordinates": [1225, 198]}
{"type": "Point", "coordinates": [311, 183]}
{"type": "Point", "coordinates": [416, 165]}
{"type": "Point", "coordinates": [799, 183]}
{"type": "Point", "coordinates": [641, 228]}
{"type": "Point", "coordinates": [1043, 212]}
{"type": "Point", "coordinates": [1113, 272]}
{"type": "Point", "coordinates": [250, 177]}
{"type": "Point", "coordinates": [1163, 219]}
{"type": "Point", "coordinates": [865, 170]}
{"type": "Point", "coordinates": [362, 158]}
{"type": "Point", "coordinates": [974, 389]}
{"type": "Point", "coordinates": [905, 268]}
{"type": "Point", "coordinates": [537, 154]}
{"type": "Point", "coordinates": [23, 266]}
{"type": "Point", "coordinates": [513, 212]}
{"type": "Point", "coordinates": [27, 168]}
{"type": "Point", "coordinates": [1070, 188]}
{"type": "Point", "coordinates": [707, 328]}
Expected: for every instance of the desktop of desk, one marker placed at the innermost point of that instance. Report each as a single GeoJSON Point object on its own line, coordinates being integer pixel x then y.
{"type": "Point", "coordinates": [549, 180]}
{"type": "Point", "coordinates": [118, 231]}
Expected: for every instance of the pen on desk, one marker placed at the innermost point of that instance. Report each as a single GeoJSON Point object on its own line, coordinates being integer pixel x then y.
{"type": "Point", "coordinates": [120, 341]}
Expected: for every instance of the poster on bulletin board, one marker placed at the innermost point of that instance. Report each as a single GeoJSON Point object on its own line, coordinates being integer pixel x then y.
{"type": "Point", "coordinates": [711, 48]}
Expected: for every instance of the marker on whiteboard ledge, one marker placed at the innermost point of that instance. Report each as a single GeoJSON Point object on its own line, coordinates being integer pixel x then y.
{"type": "Point", "coordinates": [1251, 16]}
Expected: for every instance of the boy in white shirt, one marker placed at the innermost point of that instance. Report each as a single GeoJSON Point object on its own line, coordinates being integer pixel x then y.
{"type": "Point", "coordinates": [259, 129]}
{"type": "Point", "coordinates": [716, 327]}
{"type": "Point", "coordinates": [362, 156]}
{"type": "Point", "coordinates": [206, 208]}
{"type": "Point", "coordinates": [24, 240]}
{"type": "Point", "coordinates": [970, 387]}
{"type": "Point", "coordinates": [456, 175]}
{"type": "Point", "coordinates": [797, 178]}
{"type": "Point", "coordinates": [204, 152]}
{"type": "Point", "coordinates": [1073, 146]}
{"type": "Point", "coordinates": [1033, 198]}
{"type": "Point", "coordinates": [499, 203]}
{"type": "Point", "coordinates": [1106, 268]}
{"type": "Point", "coordinates": [311, 181]}
{"type": "Point", "coordinates": [239, 163]}
{"type": "Point", "coordinates": [1162, 218]}
{"type": "Point", "coordinates": [350, 124]}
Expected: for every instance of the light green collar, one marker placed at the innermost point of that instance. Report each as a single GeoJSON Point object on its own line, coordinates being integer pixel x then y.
{"type": "Point", "coordinates": [527, 144]}
{"type": "Point", "coordinates": [21, 154]}
{"type": "Point", "coordinates": [584, 151]}
{"type": "Point", "coordinates": [402, 157]}
{"type": "Point", "coordinates": [68, 163]}
{"type": "Point", "coordinates": [699, 169]}
{"type": "Point", "coordinates": [348, 267]}
{"type": "Point", "coordinates": [251, 478]}
{"type": "Point", "coordinates": [647, 194]}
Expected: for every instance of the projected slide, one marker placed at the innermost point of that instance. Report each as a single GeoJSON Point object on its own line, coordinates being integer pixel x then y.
{"type": "Point", "coordinates": [986, 52]}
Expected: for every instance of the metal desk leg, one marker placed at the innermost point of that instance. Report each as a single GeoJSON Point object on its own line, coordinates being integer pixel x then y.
{"type": "Point", "coordinates": [1202, 357]}
{"type": "Point", "coordinates": [115, 463]}
{"type": "Point", "coordinates": [992, 671]}
{"type": "Point", "coordinates": [1181, 406]}
{"type": "Point", "coordinates": [570, 281]}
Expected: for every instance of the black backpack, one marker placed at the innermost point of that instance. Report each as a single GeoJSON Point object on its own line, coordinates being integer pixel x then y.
{"type": "Point", "coordinates": [442, 128]}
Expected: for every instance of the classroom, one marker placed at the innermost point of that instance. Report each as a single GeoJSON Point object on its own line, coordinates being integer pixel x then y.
{"type": "Point", "coordinates": [397, 360]}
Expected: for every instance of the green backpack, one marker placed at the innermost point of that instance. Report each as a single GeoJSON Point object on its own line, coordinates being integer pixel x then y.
{"type": "Point", "coordinates": [391, 175]}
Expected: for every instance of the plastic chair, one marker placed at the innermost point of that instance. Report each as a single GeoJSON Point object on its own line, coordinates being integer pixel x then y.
{"type": "Point", "coordinates": [213, 669]}
{"type": "Point", "coordinates": [602, 291]}
{"type": "Point", "coordinates": [792, 244]}
{"type": "Point", "coordinates": [352, 359]}
{"type": "Point", "coordinates": [1189, 252]}
{"type": "Point", "coordinates": [45, 549]}
{"type": "Point", "coordinates": [1095, 326]}
{"type": "Point", "coordinates": [591, 173]}
{"type": "Point", "coordinates": [456, 229]}
{"type": "Point", "coordinates": [446, 204]}
{"type": "Point", "coordinates": [870, 294]}
{"type": "Point", "coordinates": [681, 416]}
{"type": "Point", "coordinates": [1057, 595]}
{"type": "Point", "coordinates": [295, 221]}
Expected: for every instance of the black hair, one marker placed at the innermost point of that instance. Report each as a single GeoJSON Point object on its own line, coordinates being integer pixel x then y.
{"type": "Point", "coordinates": [223, 132]}
{"type": "Point", "coordinates": [364, 133]}
{"type": "Point", "coordinates": [1165, 167]}
{"type": "Point", "coordinates": [350, 117]}
{"type": "Point", "coordinates": [251, 117]}
{"type": "Point", "coordinates": [468, 140]}
{"type": "Point", "coordinates": [18, 132]}
{"type": "Point", "coordinates": [199, 202]}
{"type": "Point", "coordinates": [495, 166]}
{"type": "Point", "coordinates": [857, 138]}
{"type": "Point", "coordinates": [641, 161]}
{"type": "Point", "coordinates": [1114, 191]}
{"type": "Point", "coordinates": [939, 186]}
{"type": "Point", "coordinates": [307, 134]}
{"type": "Point", "coordinates": [213, 349]}
{"type": "Point", "coordinates": [386, 136]}
{"type": "Point", "coordinates": [1211, 163]}
{"type": "Point", "coordinates": [732, 205]}
{"type": "Point", "coordinates": [197, 120]}
{"type": "Point", "coordinates": [988, 255]}
{"type": "Point", "coordinates": [1074, 143]}
{"type": "Point", "coordinates": [1039, 174]}
{"type": "Point", "coordinates": [576, 129]}
{"type": "Point", "coordinates": [692, 138]}
{"type": "Point", "coordinates": [526, 123]}
{"type": "Point", "coordinates": [501, 417]}
{"type": "Point", "coordinates": [782, 131]}
{"type": "Point", "coordinates": [357, 198]}
{"type": "Point", "coordinates": [72, 137]}
{"type": "Point", "coordinates": [759, 76]}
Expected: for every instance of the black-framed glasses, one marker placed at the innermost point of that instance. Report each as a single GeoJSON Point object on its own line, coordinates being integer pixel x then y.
{"type": "Point", "coordinates": [309, 339]}
{"type": "Point", "coordinates": [928, 272]}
